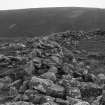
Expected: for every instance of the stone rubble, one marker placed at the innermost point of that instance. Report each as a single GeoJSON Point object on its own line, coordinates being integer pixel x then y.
{"type": "Point", "coordinates": [49, 70]}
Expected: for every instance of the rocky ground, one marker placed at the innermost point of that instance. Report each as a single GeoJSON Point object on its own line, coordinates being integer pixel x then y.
{"type": "Point", "coordinates": [52, 70]}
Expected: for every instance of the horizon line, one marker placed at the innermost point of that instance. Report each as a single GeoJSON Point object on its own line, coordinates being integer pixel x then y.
{"type": "Point", "coordinates": [50, 7]}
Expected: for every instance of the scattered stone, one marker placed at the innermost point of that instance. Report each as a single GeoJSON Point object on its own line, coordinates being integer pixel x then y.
{"type": "Point", "coordinates": [72, 101]}
{"type": "Point", "coordinates": [101, 78]}
{"type": "Point", "coordinates": [74, 92]}
{"type": "Point", "coordinates": [56, 59]}
{"type": "Point", "coordinates": [96, 101]}
{"type": "Point", "coordinates": [102, 100]}
{"type": "Point", "coordinates": [62, 102]}
{"type": "Point", "coordinates": [49, 75]}
{"type": "Point", "coordinates": [25, 97]}
{"type": "Point", "coordinates": [82, 103]}
{"type": "Point", "coordinates": [90, 89]}
{"type": "Point", "coordinates": [56, 90]}
{"type": "Point", "coordinates": [29, 68]}
{"type": "Point", "coordinates": [51, 70]}
{"type": "Point", "coordinates": [36, 81]}
{"type": "Point", "coordinates": [18, 103]}
{"type": "Point", "coordinates": [50, 103]}
{"type": "Point", "coordinates": [13, 92]}
{"type": "Point", "coordinates": [48, 98]}
{"type": "Point", "coordinates": [37, 99]}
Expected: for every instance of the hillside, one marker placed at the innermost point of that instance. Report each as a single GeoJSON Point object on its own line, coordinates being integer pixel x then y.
{"type": "Point", "coordinates": [42, 21]}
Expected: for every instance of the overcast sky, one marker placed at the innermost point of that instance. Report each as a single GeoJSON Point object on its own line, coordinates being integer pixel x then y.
{"type": "Point", "coordinates": [21, 4]}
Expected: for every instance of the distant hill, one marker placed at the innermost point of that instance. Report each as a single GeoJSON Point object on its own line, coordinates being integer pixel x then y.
{"type": "Point", "coordinates": [42, 21]}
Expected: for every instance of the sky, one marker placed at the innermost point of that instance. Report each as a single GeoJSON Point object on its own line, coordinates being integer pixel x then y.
{"type": "Point", "coordinates": [22, 4]}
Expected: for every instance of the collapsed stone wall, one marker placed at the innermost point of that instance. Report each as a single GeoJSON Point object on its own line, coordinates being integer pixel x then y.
{"type": "Point", "coordinates": [50, 70]}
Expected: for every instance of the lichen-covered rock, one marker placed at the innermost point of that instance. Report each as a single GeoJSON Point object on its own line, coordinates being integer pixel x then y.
{"type": "Point", "coordinates": [67, 77]}
{"type": "Point", "coordinates": [56, 90]}
{"type": "Point", "coordinates": [73, 92]}
{"type": "Point", "coordinates": [18, 98]}
{"type": "Point", "coordinates": [69, 81]}
{"type": "Point", "coordinates": [15, 83]}
{"type": "Point", "coordinates": [102, 100]}
{"type": "Point", "coordinates": [62, 101]}
{"type": "Point", "coordinates": [36, 81]}
{"type": "Point", "coordinates": [82, 103]}
{"type": "Point", "coordinates": [37, 99]}
{"type": "Point", "coordinates": [24, 86]}
{"type": "Point", "coordinates": [68, 68]}
{"type": "Point", "coordinates": [29, 92]}
{"type": "Point", "coordinates": [48, 98]}
{"type": "Point", "coordinates": [96, 101]}
{"type": "Point", "coordinates": [1, 85]}
{"type": "Point", "coordinates": [40, 84]}
{"type": "Point", "coordinates": [18, 103]}
{"type": "Point", "coordinates": [5, 82]}
{"type": "Point", "coordinates": [101, 78]}
{"type": "Point", "coordinates": [72, 101]}
{"type": "Point", "coordinates": [53, 69]}
{"type": "Point", "coordinates": [37, 62]}
{"type": "Point", "coordinates": [25, 97]}
{"type": "Point", "coordinates": [50, 103]}
{"type": "Point", "coordinates": [56, 59]}
{"type": "Point", "coordinates": [13, 92]}
{"type": "Point", "coordinates": [29, 68]}
{"type": "Point", "coordinates": [90, 89]}
{"type": "Point", "coordinates": [49, 75]}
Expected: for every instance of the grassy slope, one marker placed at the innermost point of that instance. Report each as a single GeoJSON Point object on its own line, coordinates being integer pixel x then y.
{"type": "Point", "coordinates": [32, 22]}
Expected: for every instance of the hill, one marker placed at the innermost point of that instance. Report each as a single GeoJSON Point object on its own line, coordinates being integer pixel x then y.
{"type": "Point", "coordinates": [42, 21]}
